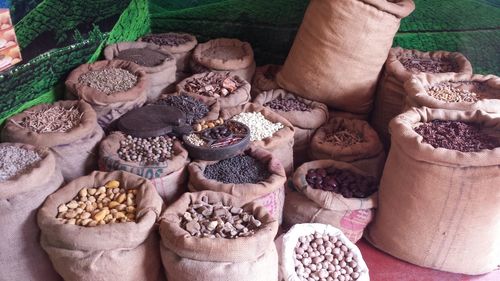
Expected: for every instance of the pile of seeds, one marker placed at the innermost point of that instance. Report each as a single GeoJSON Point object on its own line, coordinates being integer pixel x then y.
{"type": "Point", "coordinates": [436, 65]}
{"type": "Point", "coordinates": [193, 108]}
{"type": "Point", "coordinates": [448, 93]}
{"type": "Point", "coordinates": [288, 105]}
{"type": "Point", "coordinates": [456, 135]}
{"type": "Point", "coordinates": [260, 127]}
{"type": "Point", "coordinates": [195, 139]}
{"type": "Point", "coordinates": [325, 258]}
{"type": "Point", "coordinates": [143, 56]}
{"type": "Point", "coordinates": [16, 161]}
{"type": "Point", "coordinates": [344, 182]}
{"type": "Point", "coordinates": [148, 151]}
{"type": "Point", "coordinates": [169, 39]}
{"type": "Point", "coordinates": [206, 220]}
{"type": "Point", "coordinates": [344, 137]}
{"type": "Point", "coordinates": [100, 205]}
{"type": "Point", "coordinates": [212, 84]}
{"type": "Point", "coordinates": [239, 169]}
{"type": "Point", "coordinates": [51, 120]}
{"type": "Point", "coordinates": [109, 80]}
{"type": "Point", "coordinates": [207, 124]}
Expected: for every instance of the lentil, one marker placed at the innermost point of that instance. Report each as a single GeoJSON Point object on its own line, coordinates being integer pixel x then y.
{"type": "Point", "coordinates": [16, 161]}
{"type": "Point", "coordinates": [288, 105]}
{"type": "Point", "coordinates": [167, 39]}
{"type": "Point", "coordinates": [260, 127]}
{"type": "Point", "coordinates": [53, 119]}
{"type": "Point", "coordinates": [212, 84]}
{"type": "Point", "coordinates": [344, 182]}
{"type": "Point", "coordinates": [193, 108]}
{"type": "Point", "coordinates": [448, 93]}
{"type": "Point", "coordinates": [143, 56]}
{"type": "Point", "coordinates": [239, 169]}
{"type": "Point", "coordinates": [147, 151]}
{"type": "Point", "coordinates": [109, 80]}
{"type": "Point", "coordinates": [415, 64]}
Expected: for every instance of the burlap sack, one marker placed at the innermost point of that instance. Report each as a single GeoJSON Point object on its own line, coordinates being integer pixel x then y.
{"type": "Point", "coordinates": [168, 177]}
{"type": "Point", "coordinates": [340, 49]}
{"type": "Point", "coordinates": [75, 150]}
{"type": "Point", "coordinates": [368, 155]}
{"type": "Point", "coordinates": [188, 258]}
{"type": "Point", "coordinates": [21, 256]}
{"type": "Point", "coordinates": [280, 144]}
{"type": "Point", "coordinates": [160, 76]}
{"type": "Point", "coordinates": [269, 193]}
{"type": "Point", "coordinates": [265, 79]}
{"type": "Point", "coordinates": [213, 105]}
{"type": "Point", "coordinates": [391, 95]}
{"type": "Point", "coordinates": [118, 251]}
{"type": "Point", "coordinates": [108, 107]}
{"type": "Point", "coordinates": [305, 123]}
{"type": "Point", "coordinates": [439, 208]}
{"type": "Point", "coordinates": [347, 115]}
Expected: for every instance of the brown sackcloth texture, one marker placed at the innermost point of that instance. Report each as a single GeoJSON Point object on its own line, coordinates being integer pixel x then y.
{"type": "Point", "coordinates": [21, 256]}
{"type": "Point", "coordinates": [118, 251]}
{"type": "Point", "coordinates": [439, 208]}
{"type": "Point", "coordinates": [265, 79]}
{"type": "Point", "coordinates": [188, 258]}
{"type": "Point", "coordinates": [340, 49]}
{"type": "Point", "coordinates": [75, 150]}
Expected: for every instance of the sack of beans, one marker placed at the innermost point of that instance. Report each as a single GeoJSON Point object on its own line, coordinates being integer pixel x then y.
{"type": "Point", "coordinates": [180, 45]}
{"type": "Point", "coordinates": [27, 176]}
{"type": "Point", "coordinates": [212, 236]}
{"type": "Point", "coordinates": [399, 67]}
{"type": "Point", "coordinates": [254, 176]}
{"type": "Point", "coordinates": [438, 198]}
{"type": "Point", "coordinates": [158, 63]}
{"type": "Point", "coordinates": [268, 130]}
{"type": "Point", "coordinates": [224, 55]}
{"type": "Point", "coordinates": [69, 128]}
{"type": "Point", "coordinates": [112, 88]}
{"type": "Point", "coordinates": [349, 140]}
{"type": "Point", "coordinates": [265, 79]}
{"type": "Point", "coordinates": [305, 116]}
{"type": "Point", "coordinates": [196, 109]}
{"type": "Point", "coordinates": [314, 251]}
{"type": "Point", "coordinates": [340, 49]}
{"type": "Point", "coordinates": [103, 227]}
{"type": "Point", "coordinates": [332, 192]}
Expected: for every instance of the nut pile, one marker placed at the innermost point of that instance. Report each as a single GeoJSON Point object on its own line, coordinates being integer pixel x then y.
{"type": "Point", "coordinates": [344, 137]}
{"type": "Point", "coordinates": [212, 84]}
{"type": "Point", "coordinates": [51, 120]}
{"type": "Point", "coordinates": [239, 169]}
{"type": "Point", "coordinates": [207, 124]}
{"type": "Point", "coordinates": [288, 105]}
{"type": "Point", "coordinates": [145, 57]}
{"type": "Point", "coordinates": [436, 65]}
{"type": "Point", "coordinates": [206, 220]}
{"type": "Point", "coordinates": [109, 80]}
{"type": "Point", "coordinates": [195, 139]}
{"type": "Point", "coordinates": [15, 161]}
{"type": "Point", "coordinates": [344, 182]}
{"type": "Point", "coordinates": [147, 151]}
{"type": "Point", "coordinates": [102, 205]}
{"type": "Point", "coordinates": [167, 39]}
{"type": "Point", "coordinates": [325, 258]}
{"type": "Point", "coordinates": [193, 108]}
{"type": "Point", "coordinates": [260, 127]}
{"type": "Point", "coordinates": [448, 93]}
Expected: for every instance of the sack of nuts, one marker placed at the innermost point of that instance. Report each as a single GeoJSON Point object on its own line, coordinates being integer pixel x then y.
{"type": "Point", "coordinates": [69, 128]}
{"type": "Point", "coordinates": [211, 236]}
{"type": "Point", "coordinates": [27, 176]}
{"type": "Point", "coordinates": [162, 160]}
{"type": "Point", "coordinates": [265, 79]}
{"type": "Point", "coordinates": [438, 198]}
{"type": "Point", "coordinates": [103, 227]}
{"type": "Point", "coordinates": [337, 258]}
{"type": "Point", "coordinates": [255, 176]}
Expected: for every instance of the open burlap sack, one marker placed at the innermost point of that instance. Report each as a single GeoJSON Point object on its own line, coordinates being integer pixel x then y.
{"type": "Point", "coordinates": [21, 256]}
{"type": "Point", "coordinates": [108, 107]}
{"type": "Point", "coordinates": [340, 49]}
{"type": "Point", "coordinates": [269, 193]}
{"type": "Point", "coordinates": [265, 79]}
{"type": "Point", "coordinates": [305, 123]}
{"type": "Point", "coordinates": [368, 155]}
{"type": "Point", "coordinates": [75, 150]}
{"type": "Point", "coordinates": [213, 105]}
{"type": "Point", "coordinates": [117, 251]}
{"type": "Point", "coordinates": [160, 76]}
{"type": "Point", "coordinates": [188, 258]}
{"type": "Point", "coordinates": [391, 95]}
{"type": "Point", "coordinates": [439, 208]}
{"type": "Point", "coordinates": [280, 144]}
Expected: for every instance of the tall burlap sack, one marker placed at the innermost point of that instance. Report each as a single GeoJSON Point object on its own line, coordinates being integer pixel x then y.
{"type": "Point", "coordinates": [21, 256]}
{"type": "Point", "coordinates": [75, 151]}
{"type": "Point", "coordinates": [439, 208]}
{"type": "Point", "coordinates": [305, 123]}
{"type": "Point", "coordinates": [391, 95]}
{"type": "Point", "coordinates": [108, 107]}
{"type": "Point", "coordinates": [269, 193]}
{"type": "Point", "coordinates": [280, 144]}
{"type": "Point", "coordinates": [265, 79]}
{"type": "Point", "coordinates": [117, 251]}
{"type": "Point", "coordinates": [160, 76]}
{"type": "Point", "coordinates": [368, 155]}
{"type": "Point", "coordinates": [168, 177]}
{"type": "Point", "coordinates": [340, 49]}
{"type": "Point", "coordinates": [188, 258]}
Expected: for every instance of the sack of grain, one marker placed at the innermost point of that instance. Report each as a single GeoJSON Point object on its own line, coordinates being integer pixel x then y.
{"type": "Point", "coordinates": [265, 79]}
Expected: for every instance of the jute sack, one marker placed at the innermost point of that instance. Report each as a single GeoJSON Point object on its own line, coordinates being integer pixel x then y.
{"type": "Point", "coordinates": [391, 95]}
{"type": "Point", "coordinates": [75, 151]}
{"type": "Point", "coordinates": [305, 123]}
{"type": "Point", "coordinates": [160, 76]}
{"type": "Point", "coordinates": [439, 208]}
{"type": "Point", "coordinates": [116, 251]}
{"type": "Point", "coordinates": [340, 49]}
{"type": "Point", "coordinates": [347, 115]}
{"type": "Point", "coordinates": [269, 193]}
{"type": "Point", "coordinates": [368, 155]}
{"type": "Point", "coordinates": [265, 79]}
{"type": "Point", "coordinates": [280, 144]}
{"type": "Point", "coordinates": [188, 258]}
{"type": "Point", "coordinates": [22, 257]}
{"type": "Point", "coordinates": [168, 177]}
{"type": "Point", "coordinates": [108, 107]}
